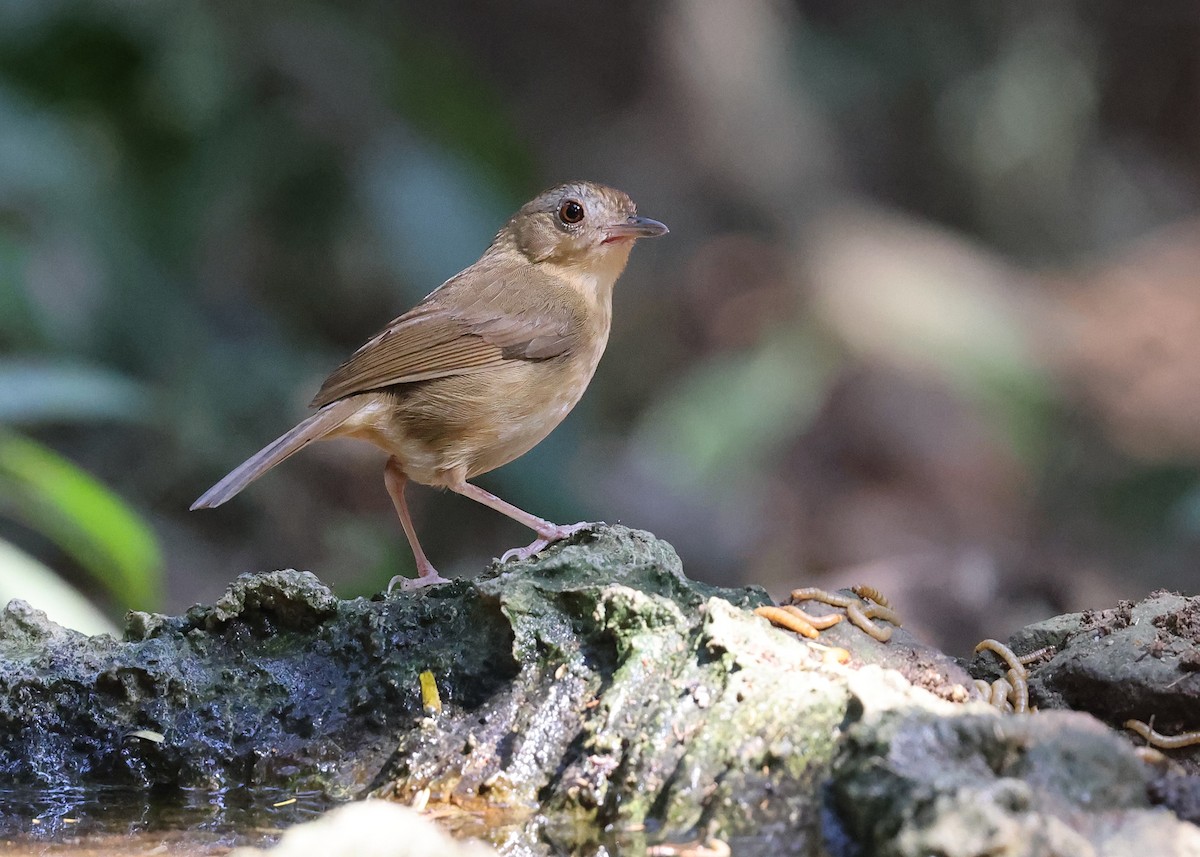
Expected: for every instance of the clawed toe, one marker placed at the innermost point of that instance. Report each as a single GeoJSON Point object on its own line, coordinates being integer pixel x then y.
{"type": "Point", "coordinates": [408, 584]}
{"type": "Point", "coordinates": [532, 549]}
{"type": "Point", "coordinates": [543, 541]}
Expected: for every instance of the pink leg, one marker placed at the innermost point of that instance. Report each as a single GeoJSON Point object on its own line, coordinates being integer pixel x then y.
{"type": "Point", "coordinates": [395, 480]}
{"type": "Point", "coordinates": [547, 532]}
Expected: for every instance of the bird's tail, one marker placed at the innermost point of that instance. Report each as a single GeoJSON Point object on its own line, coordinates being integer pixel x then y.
{"type": "Point", "coordinates": [315, 427]}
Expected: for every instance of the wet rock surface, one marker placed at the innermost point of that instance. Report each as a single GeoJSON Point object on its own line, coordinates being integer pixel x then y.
{"type": "Point", "coordinates": [278, 684]}
{"type": "Point", "coordinates": [646, 699]}
{"type": "Point", "coordinates": [1136, 661]}
{"type": "Point", "coordinates": [1057, 783]}
{"type": "Point", "coordinates": [592, 698]}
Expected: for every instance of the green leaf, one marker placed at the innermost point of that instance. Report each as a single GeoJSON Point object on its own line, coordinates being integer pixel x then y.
{"type": "Point", "coordinates": [22, 576]}
{"type": "Point", "coordinates": [94, 526]}
{"type": "Point", "coordinates": [731, 412]}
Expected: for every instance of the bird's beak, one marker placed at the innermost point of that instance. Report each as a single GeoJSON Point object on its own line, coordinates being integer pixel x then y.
{"type": "Point", "coordinates": [635, 227]}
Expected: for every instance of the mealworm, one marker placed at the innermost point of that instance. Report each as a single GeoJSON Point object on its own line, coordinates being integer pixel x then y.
{"type": "Point", "coordinates": [870, 593]}
{"type": "Point", "coordinates": [1005, 653]}
{"type": "Point", "coordinates": [1036, 655]}
{"type": "Point", "coordinates": [790, 621]}
{"type": "Point", "coordinates": [1163, 742]}
{"type": "Point", "coordinates": [861, 620]}
{"type": "Point", "coordinates": [1020, 692]}
{"type": "Point", "coordinates": [818, 622]}
{"type": "Point", "coordinates": [859, 612]}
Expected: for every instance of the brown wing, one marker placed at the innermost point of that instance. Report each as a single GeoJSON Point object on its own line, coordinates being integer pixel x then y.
{"type": "Point", "coordinates": [463, 327]}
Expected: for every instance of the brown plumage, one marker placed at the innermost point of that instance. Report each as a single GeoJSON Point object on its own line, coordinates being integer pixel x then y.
{"type": "Point", "coordinates": [486, 365]}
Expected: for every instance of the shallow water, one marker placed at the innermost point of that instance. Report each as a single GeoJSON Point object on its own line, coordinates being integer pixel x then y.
{"type": "Point", "coordinates": [111, 822]}
{"type": "Point", "coordinates": [103, 821]}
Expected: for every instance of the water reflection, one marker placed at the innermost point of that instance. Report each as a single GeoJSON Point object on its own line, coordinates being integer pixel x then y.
{"type": "Point", "coordinates": [81, 821]}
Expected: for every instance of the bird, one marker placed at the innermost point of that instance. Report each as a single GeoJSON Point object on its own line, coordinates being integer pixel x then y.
{"type": "Point", "coordinates": [484, 367]}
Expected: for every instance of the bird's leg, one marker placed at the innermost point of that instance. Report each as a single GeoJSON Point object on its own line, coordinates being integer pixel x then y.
{"type": "Point", "coordinates": [546, 531]}
{"type": "Point", "coordinates": [395, 480]}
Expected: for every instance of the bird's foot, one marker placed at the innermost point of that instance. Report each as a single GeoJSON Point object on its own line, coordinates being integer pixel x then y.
{"type": "Point", "coordinates": [532, 549]}
{"type": "Point", "coordinates": [543, 541]}
{"type": "Point", "coordinates": [408, 584]}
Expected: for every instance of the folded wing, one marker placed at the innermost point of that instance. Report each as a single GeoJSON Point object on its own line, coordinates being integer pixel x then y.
{"type": "Point", "coordinates": [461, 328]}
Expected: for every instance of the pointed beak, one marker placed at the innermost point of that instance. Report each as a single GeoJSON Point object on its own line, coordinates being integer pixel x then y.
{"type": "Point", "coordinates": [635, 227]}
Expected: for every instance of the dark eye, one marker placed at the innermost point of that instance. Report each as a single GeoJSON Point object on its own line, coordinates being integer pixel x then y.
{"type": "Point", "coordinates": [570, 212]}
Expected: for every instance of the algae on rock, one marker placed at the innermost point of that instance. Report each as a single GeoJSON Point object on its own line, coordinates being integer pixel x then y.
{"type": "Point", "coordinates": [665, 702]}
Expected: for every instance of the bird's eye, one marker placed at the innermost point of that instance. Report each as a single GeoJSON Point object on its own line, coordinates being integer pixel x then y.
{"type": "Point", "coordinates": [570, 211]}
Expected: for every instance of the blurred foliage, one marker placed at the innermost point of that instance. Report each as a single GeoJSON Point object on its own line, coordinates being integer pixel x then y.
{"type": "Point", "coordinates": [170, 209]}
{"type": "Point", "coordinates": [34, 393]}
{"type": "Point", "coordinates": [724, 418]}
{"type": "Point", "coordinates": [861, 342]}
{"type": "Point", "coordinates": [23, 577]}
{"type": "Point", "coordinates": [53, 497]}
{"type": "Point", "coordinates": [50, 497]}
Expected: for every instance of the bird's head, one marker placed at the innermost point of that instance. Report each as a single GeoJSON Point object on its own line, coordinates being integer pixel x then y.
{"type": "Point", "coordinates": [583, 227]}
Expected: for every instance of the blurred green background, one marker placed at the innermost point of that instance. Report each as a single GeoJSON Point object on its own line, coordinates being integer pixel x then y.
{"type": "Point", "coordinates": [928, 318]}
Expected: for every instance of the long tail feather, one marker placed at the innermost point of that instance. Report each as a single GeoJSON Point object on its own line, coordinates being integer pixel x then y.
{"type": "Point", "coordinates": [315, 427]}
